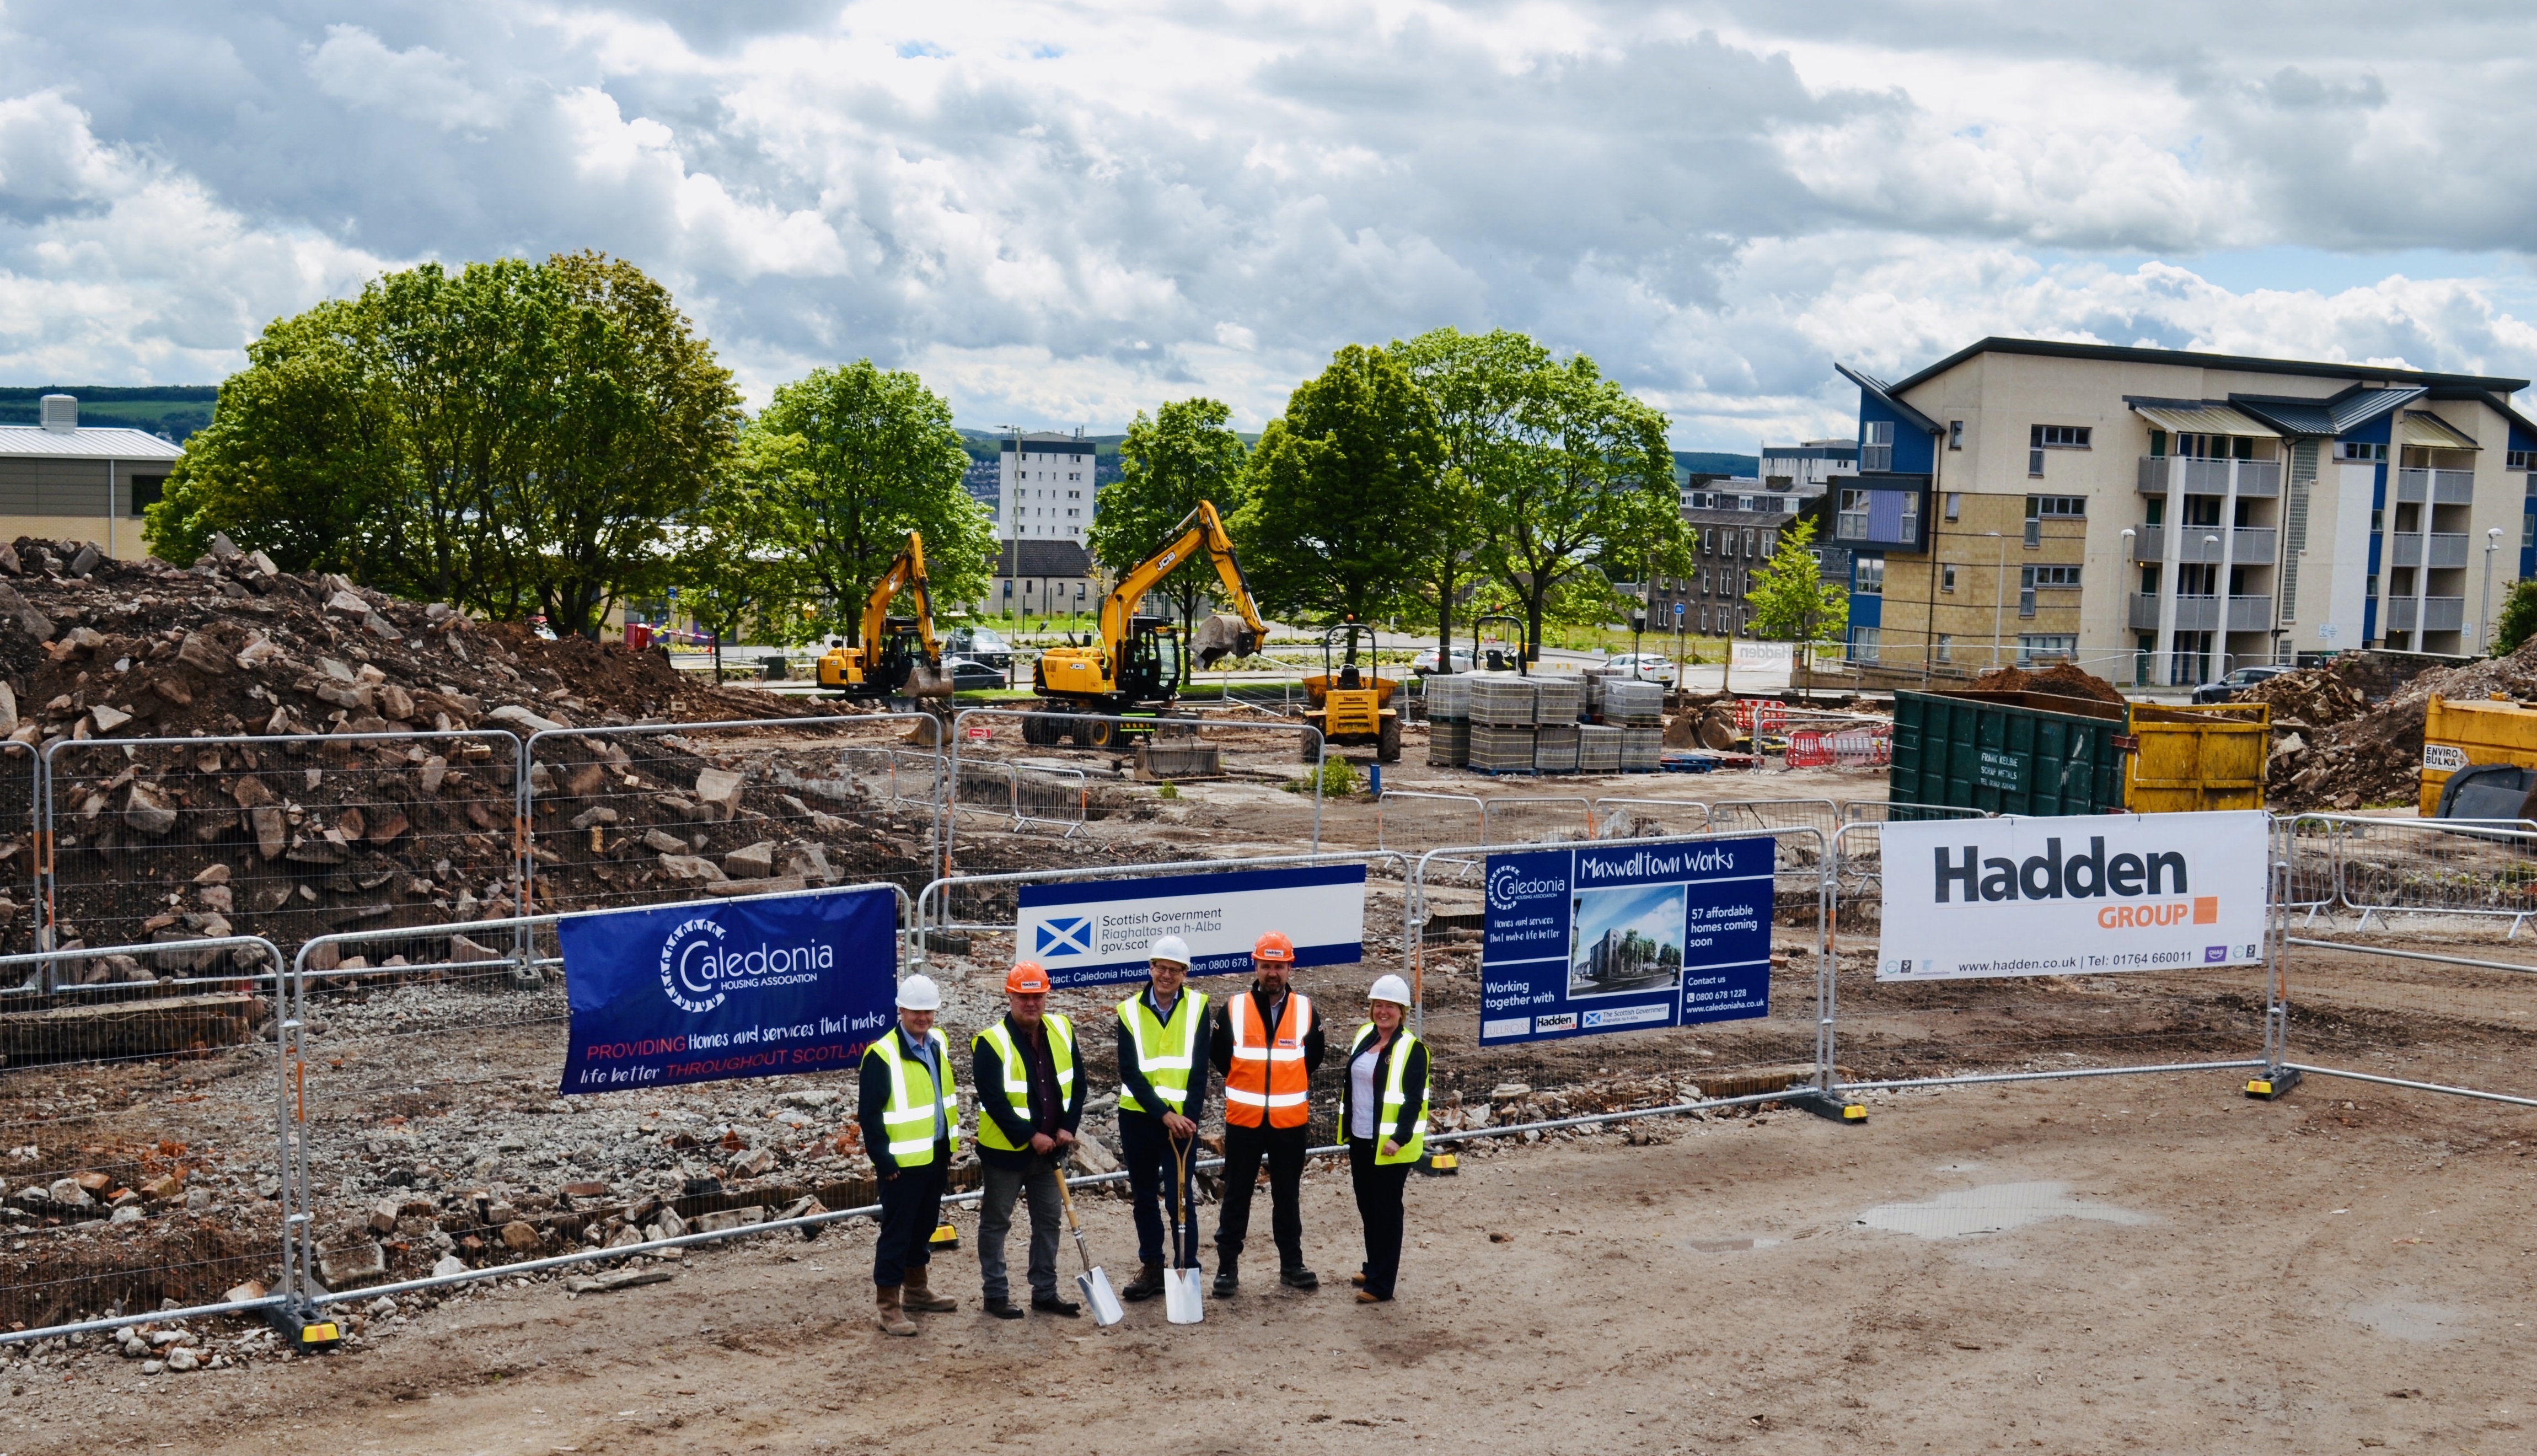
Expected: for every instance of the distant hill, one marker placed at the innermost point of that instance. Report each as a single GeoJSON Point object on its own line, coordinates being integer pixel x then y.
{"type": "Point", "coordinates": [176, 410]}
{"type": "Point", "coordinates": [1689, 463]}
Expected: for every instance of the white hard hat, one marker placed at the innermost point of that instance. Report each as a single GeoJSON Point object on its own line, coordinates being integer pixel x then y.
{"type": "Point", "coordinates": [1169, 948]}
{"type": "Point", "coordinates": [1390, 988]}
{"type": "Point", "coordinates": [920, 993]}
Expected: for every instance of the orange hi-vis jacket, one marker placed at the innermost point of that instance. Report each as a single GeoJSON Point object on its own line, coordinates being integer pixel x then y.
{"type": "Point", "coordinates": [1267, 1077]}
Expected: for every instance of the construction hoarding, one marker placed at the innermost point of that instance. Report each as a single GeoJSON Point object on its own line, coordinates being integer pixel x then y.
{"type": "Point", "coordinates": [1586, 940]}
{"type": "Point", "coordinates": [1086, 933]}
{"type": "Point", "coordinates": [2073, 895]}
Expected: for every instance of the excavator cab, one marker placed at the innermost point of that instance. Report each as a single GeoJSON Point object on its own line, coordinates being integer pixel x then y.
{"type": "Point", "coordinates": [1152, 669]}
{"type": "Point", "coordinates": [1498, 659]}
{"type": "Point", "coordinates": [1350, 701]}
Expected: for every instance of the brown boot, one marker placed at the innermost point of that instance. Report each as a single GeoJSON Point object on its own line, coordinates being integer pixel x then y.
{"type": "Point", "coordinates": [1147, 1284]}
{"type": "Point", "coordinates": [887, 1312]}
{"type": "Point", "coordinates": [923, 1299]}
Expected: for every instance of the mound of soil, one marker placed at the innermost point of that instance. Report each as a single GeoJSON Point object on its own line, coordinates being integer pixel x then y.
{"type": "Point", "coordinates": [2061, 678]}
{"type": "Point", "coordinates": [2330, 754]}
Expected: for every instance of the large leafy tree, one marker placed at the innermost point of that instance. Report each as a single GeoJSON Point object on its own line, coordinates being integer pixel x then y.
{"type": "Point", "coordinates": [847, 462]}
{"type": "Point", "coordinates": [1479, 385]}
{"type": "Point", "coordinates": [1791, 599]}
{"type": "Point", "coordinates": [1341, 494]}
{"type": "Point", "coordinates": [1185, 453]}
{"type": "Point", "coordinates": [1588, 478]}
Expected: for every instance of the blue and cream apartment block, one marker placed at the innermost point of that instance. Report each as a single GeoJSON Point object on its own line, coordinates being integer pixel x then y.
{"type": "Point", "coordinates": [2161, 515]}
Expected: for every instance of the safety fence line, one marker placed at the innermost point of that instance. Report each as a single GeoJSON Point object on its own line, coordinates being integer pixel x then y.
{"type": "Point", "coordinates": [2521, 967]}
{"type": "Point", "coordinates": [1977, 1079]}
{"type": "Point", "coordinates": [2452, 886]}
{"type": "Point", "coordinates": [2347, 1074]}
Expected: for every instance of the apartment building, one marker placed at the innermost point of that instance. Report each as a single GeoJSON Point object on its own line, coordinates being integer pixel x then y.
{"type": "Point", "coordinates": [1045, 486]}
{"type": "Point", "coordinates": [2161, 515]}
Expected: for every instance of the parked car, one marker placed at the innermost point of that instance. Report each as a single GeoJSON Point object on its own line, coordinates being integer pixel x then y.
{"type": "Point", "coordinates": [2226, 690]}
{"type": "Point", "coordinates": [979, 645]}
{"type": "Point", "coordinates": [1646, 666]}
{"type": "Point", "coordinates": [969, 675]}
{"type": "Point", "coordinates": [1425, 661]}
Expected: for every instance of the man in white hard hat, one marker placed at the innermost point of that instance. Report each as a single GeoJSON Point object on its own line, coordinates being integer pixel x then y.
{"type": "Point", "coordinates": [911, 1125]}
{"type": "Point", "coordinates": [1162, 1093]}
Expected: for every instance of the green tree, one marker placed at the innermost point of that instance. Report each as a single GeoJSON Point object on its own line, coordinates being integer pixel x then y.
{"type": "Point", "coordinates": [1478, 386]}
{"type": "Point", "coordinates": [1185, 453]}
{"type": "Point", "coordinates": [1588, 476]}
{"type": "Point", "coordinates": [727, 571]}
{"type": "Point", "coordinates": [1341, 491]}
{"type": "Point", "coordinates": [849, 461]}
{"type": "Point", "coordinates": [2519, 619]}
{"type": "Point", "coordinates": [1791, 599]}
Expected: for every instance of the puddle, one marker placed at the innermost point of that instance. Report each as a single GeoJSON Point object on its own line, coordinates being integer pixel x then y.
{"type": "Point", "coordinates": [1727, 1245]}
{"type": "Point", "coordinates": [1994, 1208]}
{"type": "Point", "coordinates": [2404, 1320]}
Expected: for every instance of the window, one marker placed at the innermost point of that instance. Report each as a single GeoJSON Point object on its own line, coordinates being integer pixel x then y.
{"type": "Point", "coordinates": [2149, 580]}
{"type": "Point", "coordinates": [1863, 644]}
{"type": "Point", "coordinates": [2061, 436]}
{"type": "Point", "coordinates": [2527, 532]}
{"type": "Point", "coordinates": [1955, 503]}
{"type": "Point", "coordinates": [2053, 576]}
{"type": "Point", "coordinates": [2063, 507]}
{"type": "Point", "coordinates": [1955, 434]}
{"type": "Point", "coordinates": [2026, 591]}
{"type": "Point", "coordinates": [1008, 590]}
{"type": "Point", "coordinates": [1947, 578]}
{"type": "Point", "coordinates": [1748, 542]}
{"type": "Point", "coordinates": [1868, 576]}
{"type": "Point", "coordinates": [2033, 648]}
{"type": "Point", "coordinates": [2511, 460]}
{"type": "Point", "coordinates": [2364, 450]}
{"type": "Point", "coordinates": [146, 492]}
{"type": "Point", "coordinates": [1876, 445]}
{"type": "Point", "coordinates": [1946, 647]}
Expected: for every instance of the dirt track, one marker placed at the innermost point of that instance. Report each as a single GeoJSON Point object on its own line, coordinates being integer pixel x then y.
{"type": "Point", "coordinates": [1714, 1293]}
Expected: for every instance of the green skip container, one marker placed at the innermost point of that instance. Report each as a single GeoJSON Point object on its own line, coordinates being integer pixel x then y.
{"type": "Point", "coordinates": [2007, 753]}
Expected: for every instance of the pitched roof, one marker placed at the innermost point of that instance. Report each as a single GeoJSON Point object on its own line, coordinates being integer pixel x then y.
{"type": "Point", "coordinates": [1064, 558]}
{"type": "Point", "coordinates": [88, 442]}
{"type": "Point", "coordinates": [1885, 393]}
{"type": "Point", "coordinates": [2195, 358]}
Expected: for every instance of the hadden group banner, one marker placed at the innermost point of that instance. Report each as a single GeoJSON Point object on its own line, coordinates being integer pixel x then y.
{"type": "Point", "coordinates": [1085, 932]}
{"type": "Point", "coordinates": [1586, 940]}
{"type": "Point", "coordinates": [703, 993]}
{"type": "Point", "coordinates": [2077, 896]}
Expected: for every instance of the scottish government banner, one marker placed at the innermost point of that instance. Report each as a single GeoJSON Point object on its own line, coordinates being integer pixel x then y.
{"type": "Point", "coordinates": [1091, 932]}
{"type": "Point", "coordinates": [2078, 895]}
{"type": "Point", "coordinates": [1620, 939]}
{"type": "Point", "coordinates": [703, 993]}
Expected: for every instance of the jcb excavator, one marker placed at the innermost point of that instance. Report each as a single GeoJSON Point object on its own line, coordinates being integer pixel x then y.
{"type": "Point", "coordinates": [897, 657]}
{"type": "Point", "coordinates": [1138, 662]}
{"type": "Point", "coordinates": [1352, 705]}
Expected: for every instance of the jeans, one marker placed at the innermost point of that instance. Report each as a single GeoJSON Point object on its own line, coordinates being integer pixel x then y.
{"type": "Point", "coordinates": [1284, 1146]}
{"type": "Point", "coordinates": [911, 1208]}
{"type": "Point", "coordinates": [996, 1220]}
{"type": "Point", "coordinates": [1156, 1178]}
{"type": "Point", "coordinates": [1379, 1188]}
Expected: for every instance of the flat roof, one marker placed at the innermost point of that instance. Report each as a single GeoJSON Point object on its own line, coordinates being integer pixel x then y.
{"type": "Point", "coordinates": [86, 443]}
{"type": "Point", "coordinates": [2051, 348]}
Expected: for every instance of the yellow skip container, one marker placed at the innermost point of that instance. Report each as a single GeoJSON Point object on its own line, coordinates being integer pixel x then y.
{"type": "Point", "coordinates": [2199, 757]}
{"type": "Point", "coordinates": [2456, 734]}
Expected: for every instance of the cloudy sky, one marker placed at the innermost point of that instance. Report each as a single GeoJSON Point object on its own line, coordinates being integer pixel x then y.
{"type": "Point", "coordinates": [1061, 214]}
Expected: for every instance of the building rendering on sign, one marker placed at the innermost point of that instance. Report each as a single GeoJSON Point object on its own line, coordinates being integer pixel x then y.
{"type": "Point", "coordinates": [61, 480]}
{"type": "Point", "coordinates": [2161, 515]}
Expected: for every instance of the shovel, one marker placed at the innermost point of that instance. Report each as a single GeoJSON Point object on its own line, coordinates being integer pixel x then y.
{"type": "Point", "coordinates": [1181, 1305]}
{"type": "Point", "coordinates": [1092, 1282]}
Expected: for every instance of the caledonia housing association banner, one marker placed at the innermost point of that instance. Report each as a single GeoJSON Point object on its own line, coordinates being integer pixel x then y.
{"type": "Point", "coordinates": [1086, 933]}
{"type": "Point", "coordinates": [1588, 940]}
{"type": "Point", "coordinates": [2078, 895]}
{"type": "Point", "coordinates": [706, 992]}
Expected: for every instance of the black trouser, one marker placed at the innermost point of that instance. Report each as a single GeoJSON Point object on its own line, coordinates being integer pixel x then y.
{"type": "Point", "coordinates": [1379, 1187]}
{"type": "Point", "coordinates": [1159, 1185]}
{"type": "Point", "coordinates": [1284, 1149]}
{"type": "Point", "coordinates": [911, 1208]}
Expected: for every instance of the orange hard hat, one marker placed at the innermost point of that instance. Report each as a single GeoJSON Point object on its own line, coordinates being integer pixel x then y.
{"type": "Point", "coordinates": [1273, 946]}
{"type": "Point", "coordinates": [1026, 979]}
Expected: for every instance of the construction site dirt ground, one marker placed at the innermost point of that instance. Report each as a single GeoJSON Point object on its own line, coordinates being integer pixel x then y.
{"type": "Point", "coordinates": [2173, 1268]}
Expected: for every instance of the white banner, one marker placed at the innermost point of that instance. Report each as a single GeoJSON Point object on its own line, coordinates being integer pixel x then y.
{"type": "Point", "coordinates": [1083, 933]}
{"type": "Point", "coordinates": [2079, 896]}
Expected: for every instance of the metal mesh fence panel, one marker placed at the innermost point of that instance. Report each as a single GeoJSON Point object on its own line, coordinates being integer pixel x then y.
{"type": "Point", "coordinates": [168, 841]}
{"type": "Point", "coordinates": [1051, 797]}
{"type": "Point", "coordinates": [138, 1137]}
{"type": "Point", "coordinates": [1413, 822]}
{"type": "Point", "coordinates": [22, 848]}
{"type": "Point", "coordinates": [2440, 867]}
{"type": "Point", "coordinates": [1648, 818]}
{"type": "Point", "coordinates": [1535, 820]}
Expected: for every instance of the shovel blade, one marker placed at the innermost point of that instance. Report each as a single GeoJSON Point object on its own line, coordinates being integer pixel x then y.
{"type": "Point", "coordinates": [1097, 1293]}
{"type": "Point", "coordinates": [1180, 1303]}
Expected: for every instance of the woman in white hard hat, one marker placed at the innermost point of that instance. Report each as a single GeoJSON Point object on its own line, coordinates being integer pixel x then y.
{"type": "Point", "coordinates": [1383, 1112]}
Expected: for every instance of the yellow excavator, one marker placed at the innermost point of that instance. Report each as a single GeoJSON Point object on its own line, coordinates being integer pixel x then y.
{"type": "Point", "coordinates": [1352, 704]}
{"type": "Point", "coordinates": [1137, 662]}
{"type": "Point", "coordinates": [897, 657]}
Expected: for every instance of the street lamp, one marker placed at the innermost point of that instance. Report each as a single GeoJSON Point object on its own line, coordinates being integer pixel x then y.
{"type": "Point", "coordinates": [1998, 600]}
{"type": "Point", "coordinates": [2484, 604]}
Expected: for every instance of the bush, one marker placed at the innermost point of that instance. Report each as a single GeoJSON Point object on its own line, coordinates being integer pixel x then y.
{"type": "Point", "coordinates": [1339, 778]}
{"type": "Point", "coordinates": [1168, 790]}
{"type": "Point", "coordinates": [2518, 621]}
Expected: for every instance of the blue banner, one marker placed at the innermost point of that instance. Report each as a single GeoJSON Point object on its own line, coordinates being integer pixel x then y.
{"type": "Point", "coordinates": [1086, 933]}
{"type": "Point", "coordinates": [1625, 937]}
{"type": "Point", "coordinates": [709, 992]}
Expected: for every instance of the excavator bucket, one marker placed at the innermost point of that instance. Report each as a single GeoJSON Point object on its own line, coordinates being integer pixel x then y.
{"type": "Point", "coordinates": [1221, 636]}
{"type": "Point", "coordinates": [926, 681]}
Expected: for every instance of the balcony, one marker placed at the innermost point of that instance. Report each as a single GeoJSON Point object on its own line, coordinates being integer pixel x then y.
{"type": "Point", "coordinates": [2449, 549]}
{"type": "Point", "coordinates": [2255, 478]}
{"type": "Point", "coordinates": [2204, 613]}
{"type": "Point", "coordinates": [2441, 487]}
{"type": "Point", "coordinates": [2248, 546]}
{"type": "Point", "coordinates": [2438, 613]}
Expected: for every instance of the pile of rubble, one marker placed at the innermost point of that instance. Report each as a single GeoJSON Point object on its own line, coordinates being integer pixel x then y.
{"type": "Point", "coordinates": [2339, 744]}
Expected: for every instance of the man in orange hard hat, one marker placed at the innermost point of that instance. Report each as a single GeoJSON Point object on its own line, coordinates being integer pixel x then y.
{"type": "Point", "coordinates": [1267, 1045]}
{"type": "Point", "coordinates": [1030, 1100]}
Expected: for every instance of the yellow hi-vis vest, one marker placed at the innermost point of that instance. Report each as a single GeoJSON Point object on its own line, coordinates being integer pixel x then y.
{"type": "Point", "coordinates": [908, 1117]}
{"type": "Point", "coordinates": [1164, 1052]}
{"type": "Point", "coordinates": [1394, 1096]}
{"type": "Point", "coordinates": [1060, 1051]}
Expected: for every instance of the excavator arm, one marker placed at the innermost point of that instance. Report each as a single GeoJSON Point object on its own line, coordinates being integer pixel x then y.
{"type": "Point", "coordinates": [1201, 531]}
{"type": "Point", "coordinates": [906, 573]}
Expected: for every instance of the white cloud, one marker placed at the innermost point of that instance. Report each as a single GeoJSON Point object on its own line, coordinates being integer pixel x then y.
{"type": "Point", "coordinates": [1063, 214]}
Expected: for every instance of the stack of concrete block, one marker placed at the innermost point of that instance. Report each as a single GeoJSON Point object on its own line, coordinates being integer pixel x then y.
{"type": "Point", "coordinates": [1449, 697]}
{"type": "Point", "coordinates": [1557, 700]}
{"type": "Point", "coordinates": [1599, 749]}
{"type": "Point", "coordinates": [1449, 743]}
{"type": "Point", "coordinates": [1640, 748]}
{"type": "Point", "coordinates": [1501, 748]}
{"type": "Point", "coordinates": [1628, 704]}
{"type": "Point", "coordinates": [1554, 747]}
{"type": "Point", "coordinates": [1502, 701]}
